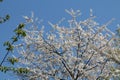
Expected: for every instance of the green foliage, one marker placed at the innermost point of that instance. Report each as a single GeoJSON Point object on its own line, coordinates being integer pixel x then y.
{"type": "Point", "coordinates": [7, 17]}
{"type": "Point", "coordinates": [3, 69]}
{"type": "Point", "coordinates": [19, 30]}
{"type": "Point", "coordinates": [14, 38]}
{"type": "Point", "coordinates": [4, 19]}
{"type": "Point", "coordinates": [13, 60]}
{"type": "Point", "coordinates": [15, 70]}
{"type": "Point", "coordinates": [21, 26]}
{"type": "Point", "coordinates": [9, 46]}
{"type": "Point", "coordinates": [22, 70]}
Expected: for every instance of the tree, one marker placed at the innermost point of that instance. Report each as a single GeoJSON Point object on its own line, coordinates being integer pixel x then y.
{"type": "Point", "coordinates": [82, 50]}
{"type": "Point", "coordinates": [116, 69]}
{"type": "Point", "coordinates": [9, 48]}
{"type": "Point", "coordinates": [19, 33]}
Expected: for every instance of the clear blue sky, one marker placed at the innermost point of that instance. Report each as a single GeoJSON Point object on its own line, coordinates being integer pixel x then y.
{"type": "Point", "coordinates": [52, 10]}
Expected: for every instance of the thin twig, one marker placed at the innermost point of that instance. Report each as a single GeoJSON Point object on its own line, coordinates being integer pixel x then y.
{"type": "Point", "coordinates": [7, 53]}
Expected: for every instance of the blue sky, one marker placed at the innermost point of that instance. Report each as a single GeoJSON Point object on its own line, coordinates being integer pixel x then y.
{"type": "Point", "coordinates": [52, 10]}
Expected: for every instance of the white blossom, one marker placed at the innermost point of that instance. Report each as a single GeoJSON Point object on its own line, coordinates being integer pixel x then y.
{"type": "Point", "coordinates": [83, 51]}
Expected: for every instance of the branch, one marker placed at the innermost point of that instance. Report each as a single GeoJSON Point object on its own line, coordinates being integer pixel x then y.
{"type": "Point", "coordinates": [19, 33]}
{"type": "Point", "coordinates": [7, 54]}
{"type": "Point", "coordinates": [64, 64]}
{"type": "Point", "coordinates": [102, 70]}
{"type": "Point", "coordinates": [92, 68]}
{"type": "Point", "coordinates": [88, 61]}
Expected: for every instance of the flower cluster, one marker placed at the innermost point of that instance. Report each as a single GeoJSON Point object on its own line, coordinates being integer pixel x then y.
{"type": "Point", "coordinates": [82, 50]}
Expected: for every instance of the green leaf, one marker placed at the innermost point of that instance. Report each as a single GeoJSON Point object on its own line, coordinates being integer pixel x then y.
{"type": "Point", "coordinates": [13, 60]}
{"type": "Point", "coordinates": [4, 69]}
{"type": "Point", "coordinates": [15, 39]}
{"type": "Point", "coordinates": [23, 34]}
{"type": "Point", "coordinates": [21, 26]}
{"type": "Point", "coordinates": [7, 17]}
{"type": "Point", "coordinates": [7, 43]}
{"type": "Point", "coordinates": [22, 70]}
{"type": "Point", "coordinates": [15, 70]}
{"type": "Point", "coordinates": [10, 47]}
{"type": "Point", "coordinates": [18, 32]}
